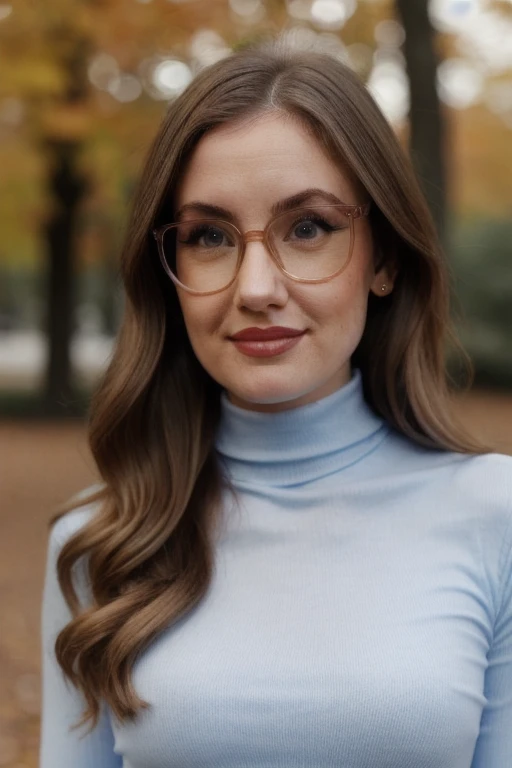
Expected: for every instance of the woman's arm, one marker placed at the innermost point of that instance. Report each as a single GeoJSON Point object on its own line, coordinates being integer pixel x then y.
{"type": "Point", "coordinates": [62, 704]}
{"type": "Point", "coordinates": [494, 744]}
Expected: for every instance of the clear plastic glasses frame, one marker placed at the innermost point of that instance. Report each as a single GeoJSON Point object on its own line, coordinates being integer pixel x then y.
{"type": "Point", "coordinates": [352, 212]}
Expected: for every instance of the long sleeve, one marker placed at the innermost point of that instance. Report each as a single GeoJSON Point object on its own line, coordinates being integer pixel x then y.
{"type": "Point", "coordinates": [62, 704]}
{"type": "Point", "coordinates": [494, 745]}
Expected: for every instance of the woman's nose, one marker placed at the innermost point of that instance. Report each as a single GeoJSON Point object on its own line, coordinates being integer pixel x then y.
{"type": "Point", "coordinates": [260, 283]}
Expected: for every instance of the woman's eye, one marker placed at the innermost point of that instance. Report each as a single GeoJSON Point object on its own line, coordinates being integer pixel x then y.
{"type": "Point", "coordinates": [308, 229]}
{"type": "Point", "coordinates": [211, 237]}
{"type": "Point", "coordinates": [207, 237]}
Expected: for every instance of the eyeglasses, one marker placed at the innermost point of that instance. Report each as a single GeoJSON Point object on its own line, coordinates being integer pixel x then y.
{"type": "Point", "coordinates": [310, 245]}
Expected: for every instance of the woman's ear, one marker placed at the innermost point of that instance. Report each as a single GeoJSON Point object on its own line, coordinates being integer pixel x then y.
{"type": "Point", "coordinates": [384, 278]}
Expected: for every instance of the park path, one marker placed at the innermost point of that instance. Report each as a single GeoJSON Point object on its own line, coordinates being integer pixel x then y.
{"type": "Point", "coordinates": [40, 466]}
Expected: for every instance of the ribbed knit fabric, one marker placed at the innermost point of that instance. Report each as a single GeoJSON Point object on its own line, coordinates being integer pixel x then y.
{"type": "Point", "coordinates": [360, 614]}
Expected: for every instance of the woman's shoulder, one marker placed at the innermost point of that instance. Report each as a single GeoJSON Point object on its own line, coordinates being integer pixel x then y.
{"type": "Point", "coordinates": [485, 481]}
{"type": "Point", "coordinates": [403, 455]}
{"type": "Point", "coordinates": [475, 485]}
{"type": "Point", "coordinates": [487, 475]}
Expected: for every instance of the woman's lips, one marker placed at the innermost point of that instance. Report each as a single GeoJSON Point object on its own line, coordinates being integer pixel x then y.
{"type": "Point", "coordinates": [267, 347]}
{"type": "Point", "coordinates": [266, 334]}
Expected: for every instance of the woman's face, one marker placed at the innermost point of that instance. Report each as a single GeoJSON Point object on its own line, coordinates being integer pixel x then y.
{"type": "Point", "coordinates": [246, 169]}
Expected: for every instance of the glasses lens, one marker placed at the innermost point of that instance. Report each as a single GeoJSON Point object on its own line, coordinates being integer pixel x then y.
{"type": "Point", "coordinates": [313, 243]}
{"type": "Point", "coordinates": [203, 254]}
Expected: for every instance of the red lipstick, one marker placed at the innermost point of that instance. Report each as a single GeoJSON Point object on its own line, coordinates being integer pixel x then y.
{"type": "Point", "coordinates": [266, 342]}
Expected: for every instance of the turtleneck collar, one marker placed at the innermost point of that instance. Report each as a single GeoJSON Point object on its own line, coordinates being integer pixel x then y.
{"type": "Point", "coordinates": [301, 444]}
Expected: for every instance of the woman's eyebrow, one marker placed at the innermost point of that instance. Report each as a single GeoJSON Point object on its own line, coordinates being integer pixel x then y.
{"type": "Point", "coordinates": [288, 203]}
{"type": "Point", "coordinates": [303, 197]}
{"type": "Point", "coordinates": [205, 208]}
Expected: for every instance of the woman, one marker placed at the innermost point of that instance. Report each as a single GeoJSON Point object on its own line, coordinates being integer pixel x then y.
{"type": "Point", "coordinates": [296, 558]}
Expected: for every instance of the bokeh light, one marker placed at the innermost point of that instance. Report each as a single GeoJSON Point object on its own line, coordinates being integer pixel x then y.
{"type": "Point", "coordinates": [332, 14]}
{"type": "Point", "coordinates": [251, 11]}
{"type": "Point", "coordinates": [103, 69]}
{"type": "Point", "coordinates": [171, 77]}
{"type": "Point", "coordinates": [206, 47]}
{"type": "Point", "coordinates": [5, 11]}
{"type": "Point", "coordinates": [389, 33]}
{"type": "Point", "coordinates": [459, 84]}
{"type": "Point", "coordinates": [299, 9]}
{"type": "Point", "coordinates": [448, 15]}
{"type": "Point", "coordinates": [488, 39]}
{"type": "Point", "coordinates": [125, 88]}
{"type": "Point", "coordinates": [389, 86]}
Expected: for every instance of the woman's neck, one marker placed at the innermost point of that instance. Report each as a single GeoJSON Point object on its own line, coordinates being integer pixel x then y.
{"type": "Point", "coordinates": [299, 444]}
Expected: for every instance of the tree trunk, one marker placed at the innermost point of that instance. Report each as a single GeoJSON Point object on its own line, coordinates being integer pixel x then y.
{"type": "Point", "coordinates": [427, 138]}
{"type": "Point", "coordinates": [67, 189]}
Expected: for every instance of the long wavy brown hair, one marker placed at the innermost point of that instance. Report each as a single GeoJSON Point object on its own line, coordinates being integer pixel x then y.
{"type": "Point", "coordinates": [149, 546]}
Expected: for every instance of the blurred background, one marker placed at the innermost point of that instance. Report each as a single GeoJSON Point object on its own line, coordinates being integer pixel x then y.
{"type": "Point", "coordinates": [83, 87]}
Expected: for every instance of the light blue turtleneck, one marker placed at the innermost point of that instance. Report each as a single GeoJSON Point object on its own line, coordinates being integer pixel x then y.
{"type": "Point", "coordinates": [360, 614]}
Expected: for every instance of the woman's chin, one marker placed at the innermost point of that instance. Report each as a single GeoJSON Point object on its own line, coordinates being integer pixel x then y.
{"type": "Point", "coordinates": [280, 394]}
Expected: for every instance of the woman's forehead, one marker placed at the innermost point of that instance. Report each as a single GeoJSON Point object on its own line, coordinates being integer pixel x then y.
{"type": "Point", "coordinates": [272, 157]}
